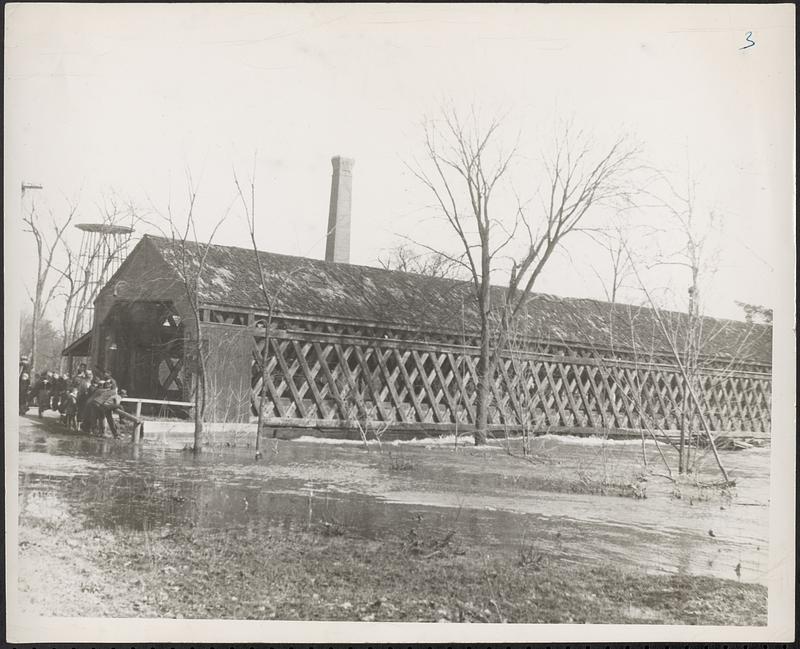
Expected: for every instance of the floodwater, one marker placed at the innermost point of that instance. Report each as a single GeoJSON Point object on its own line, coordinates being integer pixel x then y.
{"type": "Point", "coordinates": [494, 502]}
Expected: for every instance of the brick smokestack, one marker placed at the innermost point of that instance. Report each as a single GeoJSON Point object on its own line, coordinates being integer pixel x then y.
{"type": "Point", "coordinates": [338, 245]}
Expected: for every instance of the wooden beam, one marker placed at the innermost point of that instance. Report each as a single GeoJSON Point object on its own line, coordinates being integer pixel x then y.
{"type": "Point", "coordinates": [322, 356]}
{"type": "Point", "coordinates": [444, 382]}
{"type": "Point", "coordinates": [426, 384]}
{"type": "Point", "coordinates": [288, 377]}
{"type": "Point", "coordinates": [368, 379]}
{"type": "Point", "coordinates": [399, 405]}
{"type": "Point", "coordinates": [577, 370]}
{"type": "Point", "coordinates": [267, 384]}
{"type": "Point", "coordinates": [511, 389]}
{"type": "Point", "coordinates": [461, 388]}
{"type": "Point", "coordinates": [409, 384]}
{"type": "Point", "coordinates": [344, 367]}
{"type": "Point", "coordinates": [309, 377]}
{"type": "Point", "coordinates": [564, 370]}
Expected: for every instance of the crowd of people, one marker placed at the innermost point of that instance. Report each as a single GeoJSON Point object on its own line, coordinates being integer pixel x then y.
{"type": "Point", "coordinates": [87, 399]}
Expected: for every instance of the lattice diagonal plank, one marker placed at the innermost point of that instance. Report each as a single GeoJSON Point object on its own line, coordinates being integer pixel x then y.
{"type": "Point", "coordinates": [370, 385]}
{"type": "Point", "coordinates": [401, 359]}
{"type": "Point", "coordinates": [353, 392]}
{"type": "Point", "coordinates": [578, 372]}
{"type": "Point", "coordinates": [301, 351]}
{"type": "Point", "coordinates": [459, 380]}
{"type": "Point", "coordinates": [444, 382]}
{"type": "Point", "coordinates": [322, 355]}
{"type": "Point", "coordinates": [389, 382]}
{"type": "Point", "coordinates": [427, 390]}
{"type": "Point", "coordinates": [279, 349]}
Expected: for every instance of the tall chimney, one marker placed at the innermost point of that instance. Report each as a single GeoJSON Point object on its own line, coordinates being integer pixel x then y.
{"type": "Point", "coordinates": [338, 244]}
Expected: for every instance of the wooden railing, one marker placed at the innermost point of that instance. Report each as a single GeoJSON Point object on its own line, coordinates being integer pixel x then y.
{"type": "Point", "coordinates": [139, 402]}
{"type": "Point", "coordinates": [136, 417]}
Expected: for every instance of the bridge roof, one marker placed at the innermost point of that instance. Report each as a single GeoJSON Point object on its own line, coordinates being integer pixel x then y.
{"type": "Point", "coordinates": [314, 288]}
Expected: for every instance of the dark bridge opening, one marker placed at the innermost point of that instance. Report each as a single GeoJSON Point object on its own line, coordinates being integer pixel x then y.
{"type": "Point", "coordinates": [142, 344]}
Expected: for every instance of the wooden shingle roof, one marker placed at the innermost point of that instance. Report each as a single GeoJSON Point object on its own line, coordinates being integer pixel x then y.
{"type": "Point", "coordinates": [319, 289]}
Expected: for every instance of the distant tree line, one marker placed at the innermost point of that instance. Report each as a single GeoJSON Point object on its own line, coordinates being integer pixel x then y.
{"type": "Point", "coordinates": [50, 342]}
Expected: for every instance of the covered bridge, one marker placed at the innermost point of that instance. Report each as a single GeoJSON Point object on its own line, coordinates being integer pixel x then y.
{"type": "Point", "coordinates": [351, 341]}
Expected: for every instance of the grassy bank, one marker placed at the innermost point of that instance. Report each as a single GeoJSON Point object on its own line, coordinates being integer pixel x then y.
{"type": "Point", "coordinates": [324, 574]}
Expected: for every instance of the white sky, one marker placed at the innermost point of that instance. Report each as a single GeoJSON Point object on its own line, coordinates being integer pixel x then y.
{"type": "Point", "coordinates": [126, 98]}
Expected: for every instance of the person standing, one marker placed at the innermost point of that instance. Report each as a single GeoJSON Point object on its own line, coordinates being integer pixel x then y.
{"type": "Point", "coordinates": [85, 389]}
{"type": "Point", "coordinates": [24, 386]}
{"type": "Point", "coordinates": [70, 408]}
{"type": "Point", "coordinates": [57, 387]}
{"type": "Point", "coordinates": [43, 390]}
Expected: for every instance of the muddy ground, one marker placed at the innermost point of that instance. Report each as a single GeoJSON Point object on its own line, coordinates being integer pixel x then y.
{"type": "Point", "coordinates": [423, 531]}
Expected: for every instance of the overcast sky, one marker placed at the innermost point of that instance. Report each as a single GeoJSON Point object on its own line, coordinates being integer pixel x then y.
{"type": "Point", "coordinates": [127, 98]}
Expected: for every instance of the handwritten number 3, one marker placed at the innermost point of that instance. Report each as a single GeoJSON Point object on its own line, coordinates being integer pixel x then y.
{"type": "Point", "coordinates": [750, 41]}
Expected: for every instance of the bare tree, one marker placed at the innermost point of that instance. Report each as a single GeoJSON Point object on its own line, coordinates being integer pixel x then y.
{"type": "Point", "coordinates": [692, 407]}
{"type": "Point", "coordinates": [755, 312]}
{"type": "Point", "coordinates": [49, 239]}
{"type": "Point", "coordinates": [522, 398]}
{"type": "Point", "coordinates": [433, 264]}
{"type": "Point", "coordinates": [77, 288]}
{"type": "Point", "coordinates": [682, 341]}
{"type": "Point", "coordinates": [466, 170]}
{"type": "Point", "coordinates": [48, 353]}
{"type": "Point", "coordinates": [617, 272]}
{"type": "Point", "coordinates": [272, 297]}
{"type": "Point", "coordinates": [695, 254]}
{"type": "Point", "coordinates": [687, 334]}
{"type": "Point", "coordinates": [189, 258]}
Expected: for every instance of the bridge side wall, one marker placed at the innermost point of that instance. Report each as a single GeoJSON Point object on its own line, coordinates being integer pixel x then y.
{"type": "Point", "coordinates": [317, 378]}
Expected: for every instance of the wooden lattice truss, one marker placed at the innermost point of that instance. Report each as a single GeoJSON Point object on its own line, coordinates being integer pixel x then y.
{"type": "Point", "coordinates": [318, 376]}
{"type": "Point", "coordinates": [169, 353]}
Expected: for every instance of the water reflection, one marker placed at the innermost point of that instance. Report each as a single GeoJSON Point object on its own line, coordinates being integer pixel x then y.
{"type": "Point", "coordinates": [493, 502]}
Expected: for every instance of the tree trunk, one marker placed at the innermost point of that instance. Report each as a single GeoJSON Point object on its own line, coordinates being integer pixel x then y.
{"type": "Point", "coordinates": [684, 427]}
{"type": "Point", "coordinates": [34, 338]}
{"type": "Point", "coordinates": [484, 378]}
{"type": "Point", "coordinates": [198, 417]}
{"type": "Point", "coordinates": [687, 420]}
{"type": "Point", "coordinates": [198, 428]}
{"type": "Point", "coordinates": [689, 439]}
{"type": "Point", "coordinates": [262, 392]}
{"type": "Point", "coordinates": [200, 390]}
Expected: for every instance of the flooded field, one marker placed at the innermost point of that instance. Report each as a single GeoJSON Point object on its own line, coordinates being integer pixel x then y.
{"type": "Point", "coordinates": [488, 499]}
